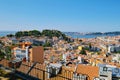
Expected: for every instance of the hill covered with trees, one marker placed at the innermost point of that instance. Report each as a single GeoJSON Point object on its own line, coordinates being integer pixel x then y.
{"type": "Point", "coordinates": [36, 33]}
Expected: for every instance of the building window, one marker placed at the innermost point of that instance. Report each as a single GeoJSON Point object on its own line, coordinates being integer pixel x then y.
{"type": "Point", "coordinates": [23, 51]}
{"type": "Point", "coordinates": [104, 68]}
{"type": "Point", "coordinates": [18, 56]}
{"type": "Point", "coordinates": [18, 51]}
{"type": "Point", "coordinates": [96, 79]}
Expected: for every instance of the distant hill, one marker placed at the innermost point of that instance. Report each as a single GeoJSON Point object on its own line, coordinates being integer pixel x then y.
{"type": "Point", "coordinates": [94, 33]}
{"type": "Point", "coordinates": [91, 34]}
{"type": "Point", "coordinates": [105, 33]}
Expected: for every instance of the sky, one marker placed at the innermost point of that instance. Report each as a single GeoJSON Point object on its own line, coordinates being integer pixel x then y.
{"type": "Point", "coordinates": [63, 15]}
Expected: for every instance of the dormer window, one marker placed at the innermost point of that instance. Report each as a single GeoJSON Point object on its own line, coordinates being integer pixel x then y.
{"type": "Point", "coordinates": [104, 68]}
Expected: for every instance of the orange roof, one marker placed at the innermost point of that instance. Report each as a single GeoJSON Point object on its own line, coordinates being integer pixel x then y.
{"type": "Point", "coordinates": [91, 71]}
{"type": "Point", "coordinates": [69, 68]}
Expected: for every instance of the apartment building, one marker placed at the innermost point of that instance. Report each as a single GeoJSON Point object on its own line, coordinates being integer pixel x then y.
{"type": "Point", "coordinates": [28, 53]}
{"type": "Point", "coordinates": [94, 72]}
{"type": "Point", "coordinates": [111, 70]}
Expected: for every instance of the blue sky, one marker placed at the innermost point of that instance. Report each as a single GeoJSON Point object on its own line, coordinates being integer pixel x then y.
{"type": "Point", "coordinates": [63, 15]}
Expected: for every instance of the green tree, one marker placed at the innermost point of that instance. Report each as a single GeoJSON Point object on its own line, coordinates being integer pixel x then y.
{"type": "Point", "coordinates": [19, 34]}
{"type": "Point", "coordinates": [47, 44]}
{"type": "Point", "coordinates": [28, 33]}
{"type": "Point", "coordinates": [53, 33]}
{"type": "Point", "coordinates": [10, 35]}
{"type": "Point", "coordinates": [34, 33]}
{"type": "Point", "coordinates": [47, 33]}
{"type": "Point", "coordinates": [83, 52]}
{"type": "Point", "coordinates": [7, 51]}
{"type": "Point", "coordinates": [1, 54]}
{"type": "Point", "coordinates": [2, 44]}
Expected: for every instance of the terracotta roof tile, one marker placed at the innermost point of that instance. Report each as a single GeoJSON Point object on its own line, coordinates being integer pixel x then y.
{"type": "Point", "coordinates": [91, 71]}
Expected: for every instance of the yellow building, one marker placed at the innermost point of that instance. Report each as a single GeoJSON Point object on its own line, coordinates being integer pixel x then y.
{"type": "Point", "coordinates": [80, 48]}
